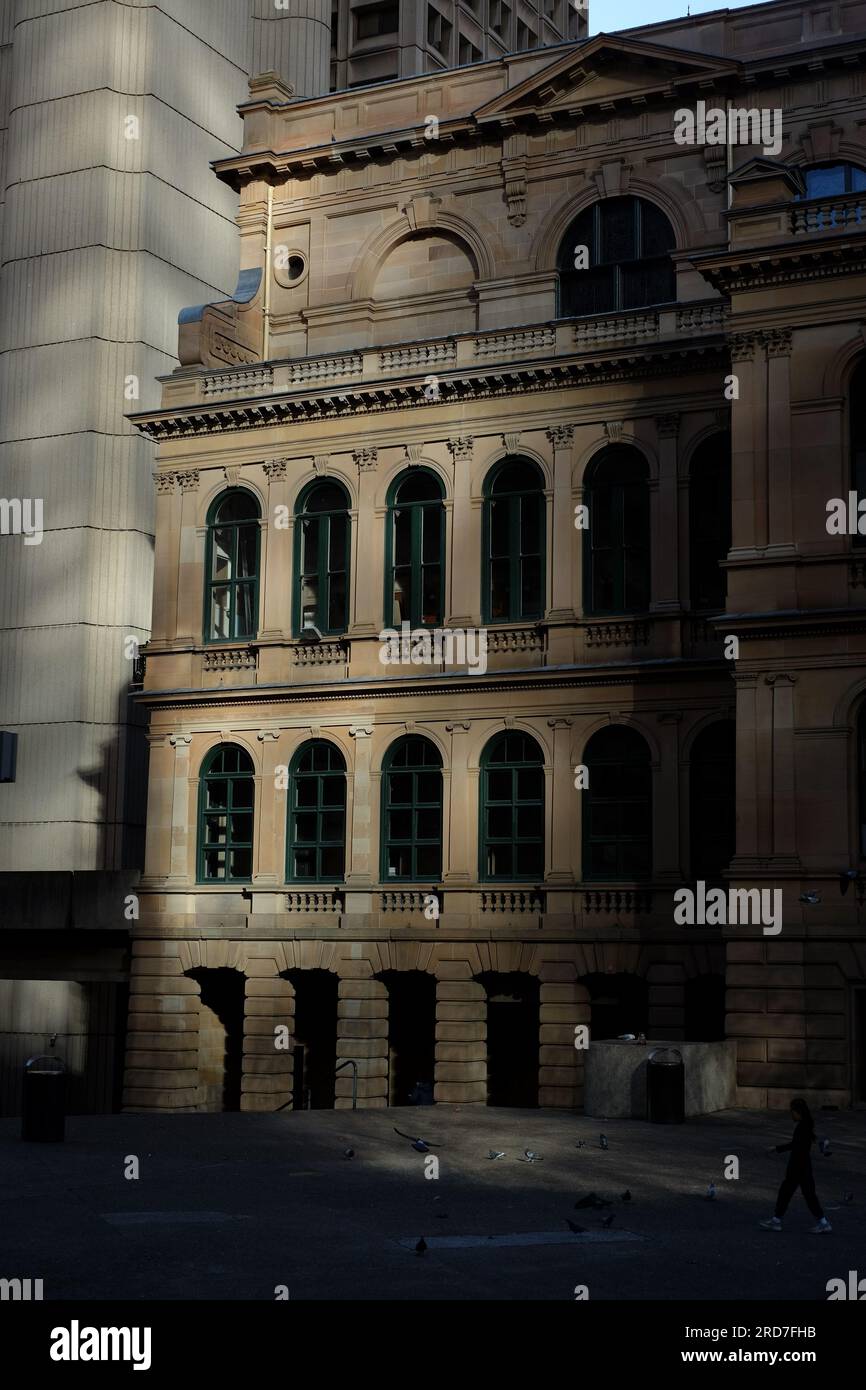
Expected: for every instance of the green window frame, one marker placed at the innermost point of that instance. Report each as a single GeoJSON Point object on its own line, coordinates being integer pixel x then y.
{"type": "Point", "coordinates": [617, 807]}
{"type": "Point", "coordinates": [415, 551]}
{"type": "Point", "coordinates": [629, 243]}
{"type": "Point", "coordinates": [226, 816]}
{"type": "Point", "coordinates": [411, 833]}
{"type": "Point", "coordinates": [616, 548]}
{"type": "Point", "coordinates": [316, 838]}
{"type": "Point", "coordinates": [232, 562]}
{"type": "Point", "coordinates": [709, 523]}
{"type": "Point", "coordinates": [514, 534]}
{"type": "Point", "coordinates": [511, 833]}
{"type": "Point", "coordinates": [323, 539]}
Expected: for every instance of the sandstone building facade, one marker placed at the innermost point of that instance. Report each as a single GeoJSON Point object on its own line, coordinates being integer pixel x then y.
{"type": "Point", "coordinates": [538, 373]}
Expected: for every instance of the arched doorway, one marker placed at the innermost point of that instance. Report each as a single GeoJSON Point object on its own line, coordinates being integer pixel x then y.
{"type": "Point", "coordinates": [315, 1039]}
{"type": "Point", "coordinates": [411, 1032]}
{"type": "Point", "coordinates": [512, 1038]}
{"type": "Point", "coordinates": [221, 1038]}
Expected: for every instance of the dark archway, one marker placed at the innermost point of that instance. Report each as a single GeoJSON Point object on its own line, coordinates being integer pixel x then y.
{"type": "Point", "coordinates": [620, 1004]}
{"type": "Point", "coordinates": [221, 1038]}
{"type": "Point", "coordinates": [411, 1032]}
{"type": "Point", "coordinates": [315, 1038]}
{"type": "Point", "coordinates": [512, 1038]}
{"type": "Point", "coordinates": [705, 1008]}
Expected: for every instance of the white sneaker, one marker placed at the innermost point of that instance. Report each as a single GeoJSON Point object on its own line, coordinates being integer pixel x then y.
{"type": "Point", "coordinates": [822, 1226]}
{"type": "Point", "coordinates": [774, 1224]}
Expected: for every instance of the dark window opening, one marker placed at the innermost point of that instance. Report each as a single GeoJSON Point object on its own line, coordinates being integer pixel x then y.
{"type": "Point", "coordinates": [411, 1034]}
{"type": "Point", "coordinates": [617, 806]}
{"type": "Point", "coordinates": [220, 1039]}
{"type": "Point", "coordinates": [412, 812]}
{"type": "Point", "coordinates": [512, 1038]}
{"type": "Point", "coordinates": [315, 1039]}
{"type": "Point", "coordinates": [627, 260]}
{"type": "Point", "coordinates": [710, 523]}
{"type": "Point", "coordinates": [514, 541]}
{"type": "Point", "coordinates": [616, 547]}
{"type": "Point", "coordinates": [712, 793]}
{"type": "Point", "coordinates": [317, 815]}
{"type": "Point", "coordinates": [512, 809]}
{"type": "Point", "coordinates": [225, 828]}
{"type": "Point", "coordinates": [619, 1004]}
{"type": "Point", "coordinates": [232, 566]}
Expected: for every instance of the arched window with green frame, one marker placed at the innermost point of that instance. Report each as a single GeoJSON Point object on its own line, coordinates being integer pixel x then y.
{"type": "Point", "coordinates": [514, 542]}
{"type": "Point", "coordinates": [322, 549]}
{"type": "Point", "coordinates": [225, 816]}
{"type": "Point", "coordinates": [617, 806]}
{"type": "Point", "coordinates": [317, 814]}
{"type": "Point", "coordinates": [511, 840]}
{"type": "Point", "coordinates": [231, 601]}
{"type": "Point", "coordinates": [616, 548]}
{"type": "Point", "coordinates": [415, 550]}
{"type": "Point", "coordinates": [412, 812]}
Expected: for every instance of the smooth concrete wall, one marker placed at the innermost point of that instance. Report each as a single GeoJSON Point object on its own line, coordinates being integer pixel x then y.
{"type": "Point", "coordinates": [616, 1077]}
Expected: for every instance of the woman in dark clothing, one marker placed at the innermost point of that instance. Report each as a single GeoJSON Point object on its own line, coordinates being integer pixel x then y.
{"type": "Point", "coordinates": [799, 1172]}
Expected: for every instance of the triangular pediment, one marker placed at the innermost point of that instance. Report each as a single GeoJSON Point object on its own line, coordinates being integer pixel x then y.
{"type": "Point", "coordinates": [608, 69]}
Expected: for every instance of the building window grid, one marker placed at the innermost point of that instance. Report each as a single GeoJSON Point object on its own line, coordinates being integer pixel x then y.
{"type": "Point", "coordinates": [512, 840]}
{"type": "Point", "coordinates": [514, 544]}
{"type": "Point", "coordinates": [412, 813]}
{"type": "Point", "coordinates": [232, 568]}
{"type": "Point", "coordinates": [322, 559]}
{"type": "Point", "coordinates": [226, 817]}
{"type": "Point", "coordinates": [316, 842]}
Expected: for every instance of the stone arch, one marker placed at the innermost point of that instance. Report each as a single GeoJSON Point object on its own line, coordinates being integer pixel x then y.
{"type": "Point", "coordinates": [632, 721]}
{"type": "Point", "coordinates": [493, 727]}
{"type": "Point", "coordinates": [588, 455]}
{"type": "Point", "coordinates": [374, 253]}
{"type": "Point", "coordinates": [210, 491]}
{"type": "Point", "coordinates": [842, 366]}
{"type": "Point", "coordinates": [697, 727]}
{"type": "Point", "coordinates": [339, 475]}
{"type": "Point", "coordinates": [687, 452]}
{"type": "Point", "coordinates": [684, 217]}
{"type": "Point", "coordinates": [482, 470]}
{"type": "Point", "coordinates": [210, 741]}
{"type": "Point", "coordinates": [404, 466]}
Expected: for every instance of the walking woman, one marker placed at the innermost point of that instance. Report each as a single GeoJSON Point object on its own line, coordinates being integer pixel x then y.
{"type": "Point", "coordinates": [799, 1172]}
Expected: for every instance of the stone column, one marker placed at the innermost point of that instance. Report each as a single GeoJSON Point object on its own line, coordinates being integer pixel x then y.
{"type": "Point", "coordinates": [162, 758]}
{"type": "Point", "coordinates": [184, 827]}
{"type": "Point", "coordinates": [162, 1044]}
{"type": "Point", "coordinates": [361, 870]}
{"type": "Point", "coordinates": [561, 547]}
{"type": "Point", "coordinates": [368, 551]}
{"type": "Point", "coordinates": [268, 1071]}
{"type": "Point", "coordinates": [461, 1036]}
{"type": "Point", "coordinates": [783, 792]}
{"type": "Point", "coordinates": [191, 576]}
{"type": "Point", "coordinates": [748, 441]}
{"type": "Point", "coordinates": [362, 1035]}
{"type": "Point", "coordinates": [270, 815]}
{"type": "Point", "coordinates": [664, 528]}
{"type": "Point", "coordinates": [667, 1001]}
{"type": "Point", "coordinates": [462, 827]}
{"type": "Point", "coordinates": [561, 805]}
{"type": "Point", "coordinates": [465, 540]}
{"type": "Point", "coordinates": [166, 559]}
{"type": "Point", "coordinates": [563, 1006]}
{"type": "Point", "coordinates": [275, 585]}
{"type": "Point", "coordinates": [780, 490]}
{"type": "Point", "coordinates": [748, 830]}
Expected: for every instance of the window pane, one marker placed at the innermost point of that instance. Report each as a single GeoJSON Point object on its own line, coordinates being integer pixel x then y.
{"type": "Point", "coordinates": [428, 861]}
{"type": "Point", "coordinates": [332, 825]}
{"type": "Point", "coordinates": [242, 792]}
{"type": "Point", "coordinates": [310, 545]}
{"type": "Point", "coordinates": [337, 603]}
{"type": "Point", "coordinates": [500, 589]}
{"type": "Point", "coordinates": [305, 827]}
{"type": "Point", "coordinates": [244, 595]}
{"type": "Point", "coordinates": [399, 825]}
{"type": "Point", "coordinates": [306, 791]}
{"type": "Point", "coordinates": [427, 825]}
{"type": "Point", "coordinates": [216, 794]}
{"type": "Point", "coordinates": [247, 546]}
{"type": "Point", "coordinates": [499, 822]}
{"type": "Point", "coordinates": [429, 787]}
{"type": "Point", "coordinates": [431, 521]}
{"type": "Point", "coordinates": [215, 830]}
{"type": "Point", "coordinates": [402, 596]}
{"type": "Point", "coordinates": [242, 828]}
{"type": "Point", "coordinates": [530, 860]}
{"type": "Point", "coordinates": [530, 784]}
{"type": "Point", "coordinates": [531, 587]}
{"type": "Point", "coordinates": [432, 601]}
{"type": "Point", "coordinates": [402, 537]}
{"type": "Point", "coordinates": [500, 861]}
{"type": "Point", "coordinates": [337, 543]}
{"type": "Point", "coordinates": [499, 537]}
{"type": "Point", "coordinates": [530, 524]}
{"type": "Point", "coordinates": [334, 791]}
{"type": "Point", "coordinates": [333, 862]}
{"type": "Point", "coordinates": [400, 787]}
{"type": "Point", "coordinates": [241, 863]}
{"type": "Point", "coordinates": [220, 624]}
{"type": "Point", "coordinates": [304, 863]}
{"type": "Point", "coordinates": [618, 239]}
{"type": "Point", "coordinates": [221, 564]}
{"type": "Point", "coordinates": [214, 864]}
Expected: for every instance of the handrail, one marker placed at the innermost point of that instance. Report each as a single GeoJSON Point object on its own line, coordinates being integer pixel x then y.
{"type": "Point", "coordinates": [354, 1066]}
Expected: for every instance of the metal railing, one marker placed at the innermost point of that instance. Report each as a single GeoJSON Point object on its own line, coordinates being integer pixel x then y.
{"type": "Point", "coordinates": [354, 1066]}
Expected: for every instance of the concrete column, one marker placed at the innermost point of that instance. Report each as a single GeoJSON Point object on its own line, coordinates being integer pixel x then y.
{"type": "Point", "coordinates": [190, 574]}
{"type": "Point", "coordinates": [461, 1036]}
{"type": "Point", "coordinates": [268, 1071]}
{"type": "Point", "coordinates": [362, 1035]}
{"type": "Point", "coordinates": [664, 528]}
{"type": "Point", "coordinates": [461, 829]}
{"type": "Point", "coordinates": [162, 1047]}
{"type": "Point", "coordinates": [294, 41]}
{"type": "Point", "coordinates": [667, 1001]}
{"type": "Point", "coordinates": [560, 805]}
{"type": "Point", "coordinates": [464, 541]}
{"type": "Point", "coordinates": [563, 1005]}
{"type": "Point", "coordinates": [275, 585]}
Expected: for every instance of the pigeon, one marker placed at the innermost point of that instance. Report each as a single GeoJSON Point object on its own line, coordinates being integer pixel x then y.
{"type": "Point", "coordinates": [824, 1146]}
{"type": "Point", "coordinates": [579, 1144]}
{"type": "Point", "coordinates": [574, 1228]}
{"type": "Point", "coordinates": [496, 1153]}
{"type": "Point", "coordinates": [626, 1196]}
{"type": "Point", "coordinates": [641, 1037]}
{"type": "Point", "coordinates": [847, 1198]}
{"type": "Point", "coordinates": [529, 1156]}
{"type": "Point", "coordinates": [607, 1222]}
{"type": "Point", "coordinates": [421, 1247]}
{"type": "Point", "coordinates": [602, 1139]}
{"type": "Point", "coordinates": [420, 1145]}
{"type": "Point", "coordinates": [626, 1037]}
{"type": "Point", "coordinates": [711, 1191]}
{"type": "Point", "coordinates": [846, 878]}
{"type": "Point", "coordinates": [349, 1153]}
{"type": "Point", "coordinates": [811, 899]}
{"type": "Point", "coordinates": [589, 1201]}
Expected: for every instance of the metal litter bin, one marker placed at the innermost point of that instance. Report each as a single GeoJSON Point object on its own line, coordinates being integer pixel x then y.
{"type": "Point", "coordinates": [43, 1110]}
{"type": "Point", "coordinates": [666, 1086]}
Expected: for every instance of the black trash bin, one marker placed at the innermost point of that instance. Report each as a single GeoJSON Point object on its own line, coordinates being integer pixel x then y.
{"type": "Point", "coordinates": [43, 1111]}
{"type": "Point", "coordinates": [666, 1087]}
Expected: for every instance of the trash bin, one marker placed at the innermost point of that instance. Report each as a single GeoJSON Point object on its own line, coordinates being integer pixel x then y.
{"type": "Point", "coordinates": [43, 1111]}
{"type": "Point", "coordinates": [666, 1086]}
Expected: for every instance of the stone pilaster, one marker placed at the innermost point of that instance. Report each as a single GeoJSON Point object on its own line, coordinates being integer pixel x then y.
{"type": "Point", "coordinates": [664, 528]}
{"type": "Point", "coordinates": [162, 1046]}
{"type": "Point", "coordinates": [666, 1014]}
{"type": "Point", "coordinates": [461, 1039]}
{"type": "Point", "coordinates": [362, 1036]}
{"type": "Point", "coordinates": [276, 588]}
{"type": "Point", "coordinates": [268, 1071]}
{"type": "Point", "coordinates": [563, 1005]}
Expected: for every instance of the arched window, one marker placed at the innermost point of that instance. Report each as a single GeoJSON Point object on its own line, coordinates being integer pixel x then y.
{"type": "Point", "coordinates": [412, 812]}
{"type": "Point", "coordinates": [322, 530]}
{"type": "Point", "coordinates": [415, 560]}
{"type": "Point", "coordinates": [857, 422]}
{"type": "Point", "coordinates": [317, 814]}
{"type": "Point", "coordinates": [232, 567]}
{"type": "Point", "coordinates": [616, 255]}
{"type": "Point", "coordinates": [514, 526]}
{"type": "Point", "coordinates": [712, 798]}
{"type": "Point", "coordinates": [617, 806]}
{"type": "Point", "coordinates": [832, 180]}
{"type": "Point", "coordinates": [616, 547]}
{"type": "Point", "coordinates": [225, 816]}
{"type": "Point", "coordinates": [710, 522]}
{"type": "Point", "coordinates": [512, 808]}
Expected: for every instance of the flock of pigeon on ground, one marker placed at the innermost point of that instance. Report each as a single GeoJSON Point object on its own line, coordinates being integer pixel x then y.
{"type": "Point", "coordinates": [591, 1202]}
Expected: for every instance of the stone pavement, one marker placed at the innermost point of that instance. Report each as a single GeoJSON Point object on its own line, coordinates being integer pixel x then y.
{"type": "Point", "coordinates": [230, 1206]}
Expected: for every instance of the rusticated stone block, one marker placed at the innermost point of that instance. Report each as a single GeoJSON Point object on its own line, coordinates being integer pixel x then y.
{"type": "Point", "coordinates": [461, 1013]}
{"type": "Point", "coordinates": [141, 1098]}
{"type": "Point", "coordinates": [786, 1001]}
{"type": "Point", "coordinates": [279, 1064]}
{"type": "Point", "coordinates": [552, 1034]}
{"type": "Point", "coordinates": [825, 1025]}
{"type": "Point", "coordinates": [752, 1049]}
{"type": "Point", "coordinates": [161, 1059]}
{"type": "Point", "coordinates": [158, 985]}
{"type": "Point", "coordinates": [362, 1008]}
{"type": "Point", "coordinates": [460, 1093]}
{"type": "Point", "coordinates": [458, 991]}
{"type": "Point", "coordinates": [161, 1078]}
{"type": "Point", "coordinates": [361, 989]}
{"type": "Point", "coordinates": [461, 1071]}
{"type": "Point", "coordinates": [461, 1032]}
{"type": "Point", "coordinates": [786, 1050]}
{"type": "Point", "coordinates": [362, 1028]}
{"type": "Point", "coordinates": [557, 1013]}
{"type": "Point", "coordinates": [556, 1076]}
{"type": "Point", "coordinates": [557, 1056]}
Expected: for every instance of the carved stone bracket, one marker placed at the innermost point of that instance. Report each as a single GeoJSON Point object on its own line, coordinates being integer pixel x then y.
{"type": "Point", "coordinates": [366, 459]}
{"type": "Point", "coordinates": [164, 483]}
{"type": "Point", "coordinates": [561, 436]}
{"type": "Point", "coordinates": [275, 469]}
{"type": "Point", "coordinates": [461, 447]}
{"type": "Point", "coordinates": [188, 480]}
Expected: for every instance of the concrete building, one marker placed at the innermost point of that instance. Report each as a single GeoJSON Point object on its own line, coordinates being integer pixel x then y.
{"type": "Point", "coordinates": [496, 607]}
{"type": "Point", "coordinates": [110, 221]}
